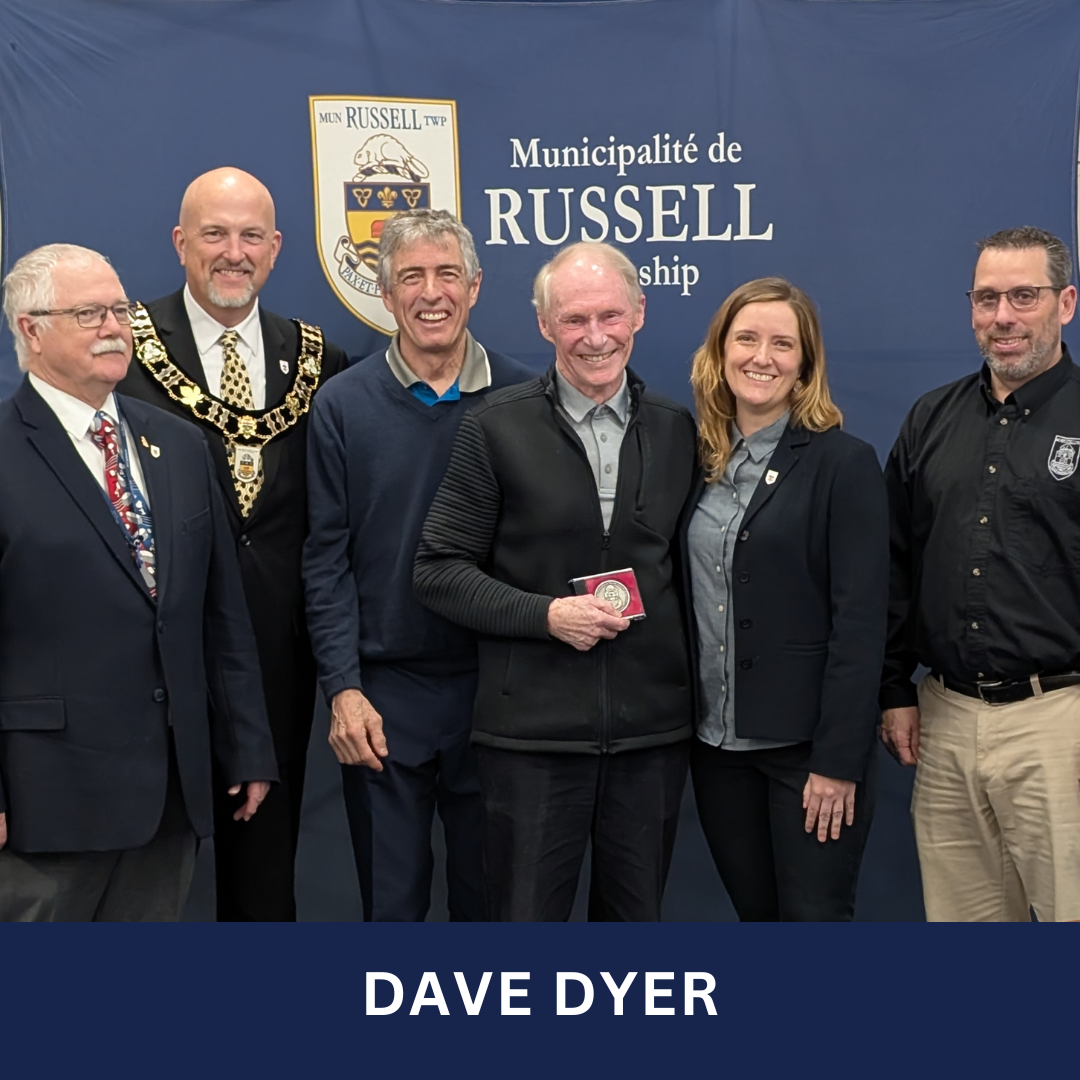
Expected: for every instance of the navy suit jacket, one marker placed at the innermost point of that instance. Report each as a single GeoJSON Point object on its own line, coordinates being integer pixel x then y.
{"type": "Point", "coordinates": [93, 671]}
{"type": "Point", "coordinates": [809, 594]}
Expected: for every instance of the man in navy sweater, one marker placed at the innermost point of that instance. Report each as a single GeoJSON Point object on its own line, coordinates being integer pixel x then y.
{"type": "Point", "coordinates": [400, 680]}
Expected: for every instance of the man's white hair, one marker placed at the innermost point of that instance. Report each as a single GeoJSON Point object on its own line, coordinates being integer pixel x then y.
{"type": "Point", "coordinates": [29, 285]}
{"type": "Point", "coordinates": [607, 254]}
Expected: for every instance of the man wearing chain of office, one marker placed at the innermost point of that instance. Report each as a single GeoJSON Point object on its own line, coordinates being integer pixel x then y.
{"type": "Point", "coordinates": [209, 353]}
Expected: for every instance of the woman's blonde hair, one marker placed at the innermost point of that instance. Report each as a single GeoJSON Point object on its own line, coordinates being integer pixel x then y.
{"type": "Point", "coordinates": [811, 405]}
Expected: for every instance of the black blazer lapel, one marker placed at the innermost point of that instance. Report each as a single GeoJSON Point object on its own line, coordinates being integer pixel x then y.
{"type": "Point", "coordinates": [171, 321]}
{"type": "Point", "coordinates": [278, 381]}
{"type": "Point", "coordinates": [155, 470]}
{"type": "Point", "coordinates": [48, 437]}
{"type": "Point", "coordinates": [782, 463]}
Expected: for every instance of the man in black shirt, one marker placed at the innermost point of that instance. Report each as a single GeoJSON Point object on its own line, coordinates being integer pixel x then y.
{"type": "Point", "coordinates": [985, 505]}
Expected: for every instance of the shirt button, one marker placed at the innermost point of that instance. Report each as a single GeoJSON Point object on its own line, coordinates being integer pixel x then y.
{"type": "Point", "coordinates": [723, 686]}
{"type": "Point", "coordinates": [721, 648]}
{"type": "Point", "coordinates": [976, 571]}
{"type": "Point", "coordinates": [974, 626]}
{"type": "Point", "coordinates": [720, 607]}
{"type": "Point", "coordinates": [1027, 412]}
{"type": "Point", "coordinates": [734, 494]}
{"type": "Point", "coordinates": [159, 694]}
{"type": "Point", "coordinates": [1003, 421]}
{"type": "Point", "coordinates": [993, 468]}
{"type": "Point", "coordinates": [607, 468]}
{"type": "Point", "coordinates": [983, 520]}
{"type": "Point", "coordinates": [603, 438]}
{"type": "Point", "coordinates": [719, 569]}
{"type": "Point", "coordinates": [746, 665]}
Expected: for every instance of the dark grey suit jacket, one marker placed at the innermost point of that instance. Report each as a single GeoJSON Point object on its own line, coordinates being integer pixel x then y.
{"type": "Point", "coordinates": [93, 671]}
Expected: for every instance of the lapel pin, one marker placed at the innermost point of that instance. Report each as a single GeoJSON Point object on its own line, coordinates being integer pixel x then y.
{"type": "Point", "coordinates": [770, 476]}
{"type": "Point", "coordinates": [284, 365]}
{"type": "Point", "coordinates": [142, 439]}
{"type": "Point", "coordinates": [155, 451]}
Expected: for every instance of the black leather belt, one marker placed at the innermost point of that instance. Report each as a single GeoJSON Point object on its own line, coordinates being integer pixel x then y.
{"type": "Point", "coordinates": [1005, 691]}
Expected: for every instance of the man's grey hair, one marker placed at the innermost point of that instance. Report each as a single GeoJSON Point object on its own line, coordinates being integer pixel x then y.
{"type": "Point", "coordinates": [608, 254]}
{"type": "Point", "coordinates": [432, 226]}
{"type": "Point", "coordinates": [1058, 260]}
{"type": "Point", "coordinates": [29, 285]}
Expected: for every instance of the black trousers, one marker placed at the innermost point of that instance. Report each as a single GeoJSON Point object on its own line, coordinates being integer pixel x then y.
{"type": "Point", "coordinates": [541, 810]}
{"type": "Point", "coordinates": [750, 805]}
{"type": "Point", "coordinates": [427, 720]}
{"type": "Point", "coordinates": [254, 860]}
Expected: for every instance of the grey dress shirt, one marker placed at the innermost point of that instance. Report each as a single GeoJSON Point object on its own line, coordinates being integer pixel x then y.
{"type": "Point", "coordinates": [600, 429]}
{"type": "Point", "coordinates": [713, 530]}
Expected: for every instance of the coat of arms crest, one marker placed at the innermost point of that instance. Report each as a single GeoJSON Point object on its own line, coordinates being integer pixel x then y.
{"type": "Point", "coordinates": [374, 157]}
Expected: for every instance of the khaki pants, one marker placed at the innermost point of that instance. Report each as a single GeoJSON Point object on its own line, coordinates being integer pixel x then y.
{"type": "Point", "coordinates": [996, 806]}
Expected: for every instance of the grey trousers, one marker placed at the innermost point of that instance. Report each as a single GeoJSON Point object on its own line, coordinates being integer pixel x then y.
{"type": "Point", "coordinates": [146, 884]}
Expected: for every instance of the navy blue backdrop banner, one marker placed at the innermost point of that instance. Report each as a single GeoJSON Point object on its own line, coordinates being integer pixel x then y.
{"type": "Point", "coordinates": [857, 148]}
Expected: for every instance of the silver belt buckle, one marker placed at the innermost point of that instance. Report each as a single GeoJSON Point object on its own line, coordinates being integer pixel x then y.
{"type": "Point", "coordinates": [983, 684]}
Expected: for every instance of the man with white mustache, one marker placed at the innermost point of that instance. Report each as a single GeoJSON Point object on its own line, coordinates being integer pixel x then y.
{"type": "Point", "coordinates": [583, 717]}
{"type": "Point", "coordinates": [123, 615]}
{"type": "Point", "coordinates": [985, 507]}
{"type": "Point", "coordinates": [211, 354]}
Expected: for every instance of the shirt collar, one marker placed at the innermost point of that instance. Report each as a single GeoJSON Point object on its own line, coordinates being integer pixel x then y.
{"type": "Point", "coordinates": [1036, 391]}
{"type": "Point", "coordinates": [763, 442]}
{"type": "Point", "coordinates": [475, 371]}
{"type": "Point", "coordinates": [207, 331]}
{"type": "Point", "coordinates": [74, 415]}
{"type": "Point", "coordinates": [577, 406]}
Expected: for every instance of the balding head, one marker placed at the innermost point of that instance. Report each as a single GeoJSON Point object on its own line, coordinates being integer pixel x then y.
{"type": "Point", "coordinates": [226, 241]}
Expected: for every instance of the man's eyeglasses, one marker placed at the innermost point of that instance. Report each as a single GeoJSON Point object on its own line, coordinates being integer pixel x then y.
{"type": "Point", "coordinates": [1022, 298]}
{"type": "Point", "coordinates": [93, 315]}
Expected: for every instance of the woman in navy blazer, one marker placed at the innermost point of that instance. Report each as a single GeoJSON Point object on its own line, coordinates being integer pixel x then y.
{"type": "Point", "coordinates": [787, 557]}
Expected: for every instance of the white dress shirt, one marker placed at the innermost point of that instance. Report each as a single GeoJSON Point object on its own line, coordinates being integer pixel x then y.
{"type": "Point", "coordinates": [76, 417]}
{"type": "Point", "coordinates": [207, 332]}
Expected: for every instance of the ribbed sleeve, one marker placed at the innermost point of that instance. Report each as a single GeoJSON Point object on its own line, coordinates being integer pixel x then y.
{"type": "Point", "coordinates": [456, 540]}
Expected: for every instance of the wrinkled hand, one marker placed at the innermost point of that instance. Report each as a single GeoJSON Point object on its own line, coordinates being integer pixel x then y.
{"type": "Point", "coordinates": [356, 731]}
{"type": "Point", "coordinates": [3, 829]}
{"type": "Point", "coordinates": [582, 621]}
{"type": "Point", "coordinates": [828, 805]}
{"type": "Point", "coordinates": [900, 733]}
{"type": "Point", "coordinates": [257, 790]}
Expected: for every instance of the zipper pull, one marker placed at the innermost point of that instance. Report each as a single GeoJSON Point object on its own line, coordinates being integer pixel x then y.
{"type": "Point", "coordinates": [606, 542]}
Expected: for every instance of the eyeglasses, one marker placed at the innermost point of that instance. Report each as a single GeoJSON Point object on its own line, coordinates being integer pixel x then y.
{"type": "Point", "coordinates": [92, 316]}
{"type": "Point", "coordinates": [1022, 298]}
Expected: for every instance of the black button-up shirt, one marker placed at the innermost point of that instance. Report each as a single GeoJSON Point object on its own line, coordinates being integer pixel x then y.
{"type": "Point", "coordinates": [984, 503]}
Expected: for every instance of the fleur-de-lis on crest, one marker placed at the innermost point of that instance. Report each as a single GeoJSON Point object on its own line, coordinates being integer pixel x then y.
{"type": "Point", "coordinates": [412, 196]}
{"type": "Point", "coordinates": [387, 196]}
{"type": "Point", "coordinates": [362, 194]}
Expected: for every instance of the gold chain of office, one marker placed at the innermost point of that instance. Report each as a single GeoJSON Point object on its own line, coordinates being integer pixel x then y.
{"type": "Point", "coordinates": [249, 429]}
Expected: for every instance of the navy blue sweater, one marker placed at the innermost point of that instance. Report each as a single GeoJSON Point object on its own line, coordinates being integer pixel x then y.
{"type": "Point", "coordinates": [376, 456]}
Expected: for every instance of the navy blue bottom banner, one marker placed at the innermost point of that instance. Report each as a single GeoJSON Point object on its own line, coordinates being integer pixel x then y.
{"type": "Point", "coordinates": [539, 1001]}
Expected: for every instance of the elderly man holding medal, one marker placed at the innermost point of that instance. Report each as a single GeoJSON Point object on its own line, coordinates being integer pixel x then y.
{"type": "Point", "coordinates": [556, 523]}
